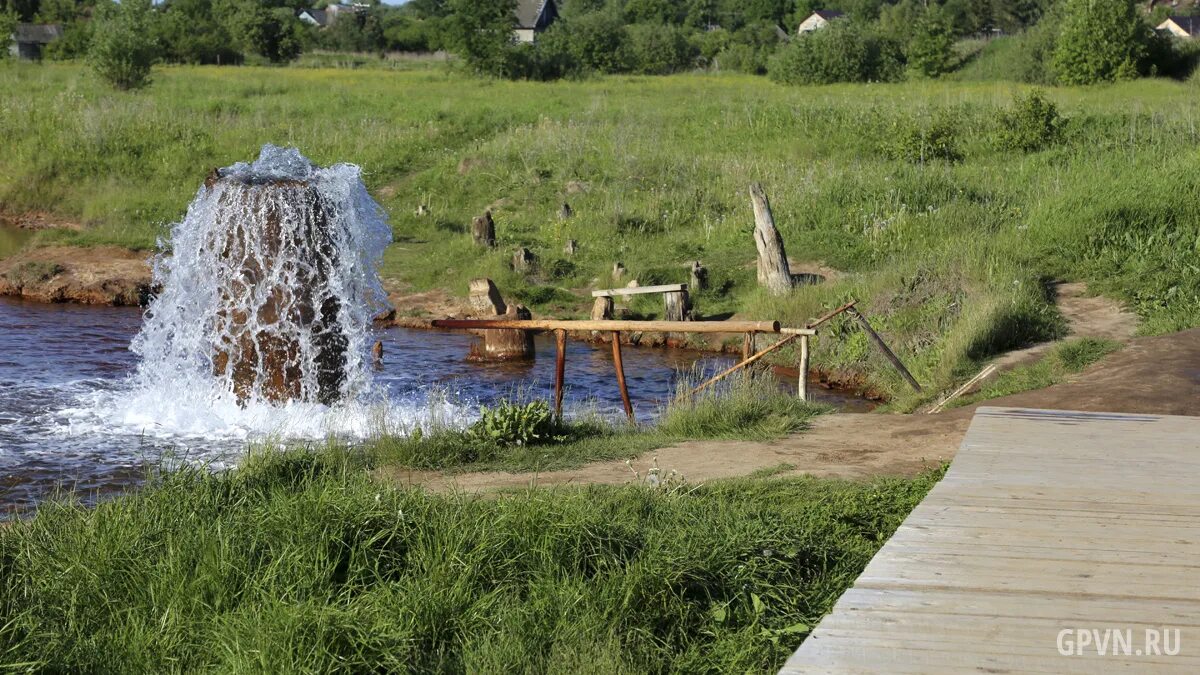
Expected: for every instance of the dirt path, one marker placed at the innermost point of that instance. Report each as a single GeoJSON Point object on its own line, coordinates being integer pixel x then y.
{"type": "Point", "coordinates": [1094, 316]}
{"type": "Point", "coordinates": [1151, 375]}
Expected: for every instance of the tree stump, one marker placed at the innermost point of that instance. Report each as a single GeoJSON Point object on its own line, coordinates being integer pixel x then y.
{"type": "Point", "coordinates": [699, 277]}
{"type": "Point", "coordinates": [270, 308]}
{"type": "Point", "coordinates": [506, 344]}
{"type": "Point", "coordinates": [571, 247]}
{"type": "Point", "coordinates": [602, 309]}
{"type": "Point", "coordinates": [773, 271]}
{"type": "Point", "coordinates": [565, 212]}
{"type": "Point", "coordinates": [485, 298]}
{"type": "Point", "coordinates": [483, 230]}
{"type": "Point", "coordinates": [523, 260]}
{"type": "Point", "coordinates": [677, 306]}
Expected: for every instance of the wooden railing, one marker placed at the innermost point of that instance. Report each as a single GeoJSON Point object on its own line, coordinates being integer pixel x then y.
{"type": "Point", "coordinates": [615, 328]}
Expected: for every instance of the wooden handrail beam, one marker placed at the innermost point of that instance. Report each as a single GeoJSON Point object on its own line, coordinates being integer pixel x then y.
{"type": "Point", "coordinates": [639, 290]}
{"type": "Point", "coordinates": [585, 325]}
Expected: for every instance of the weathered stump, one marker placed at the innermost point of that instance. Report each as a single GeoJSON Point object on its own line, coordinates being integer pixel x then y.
{"type": "Point", "coordinates": [773, 271]}
{"type": "Point", "coordinates": [483, 230]}
{"type": "Point", "coordinates": [505, 344]}
{"type": "Point", "coordinates": [602, 309]}
{"type": "Point", "coordinates": [485, 298]}
{"type": "Point", "coordinates": [677, 306]}
{"type": "Point", "coordinates": [523, 260]}
{"type": "Point", "coordinates": [699, 277]}
{"type": "Point", "coordinates": [268, 307]}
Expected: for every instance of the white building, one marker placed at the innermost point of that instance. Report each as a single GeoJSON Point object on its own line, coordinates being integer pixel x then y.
{"type": "Point", "coordinates": [818, 20]}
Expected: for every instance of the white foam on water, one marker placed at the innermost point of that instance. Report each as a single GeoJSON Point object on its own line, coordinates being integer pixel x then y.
{"type": "Point", "coordinates": [207, 300]}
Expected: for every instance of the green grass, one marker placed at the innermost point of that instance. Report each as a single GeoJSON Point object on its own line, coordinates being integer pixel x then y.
{"type": "Point", "coordinates": [740, 407]}
{"type": "Point", "coordinates": [300, 562]}
{"type": "Point", "coordinates": [1067, 358]}
{"type": "Point", "coordinates": [948, 259]}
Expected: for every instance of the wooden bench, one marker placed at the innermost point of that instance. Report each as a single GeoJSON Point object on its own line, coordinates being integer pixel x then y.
{"type": "Point", "coordinates": [675, 298]}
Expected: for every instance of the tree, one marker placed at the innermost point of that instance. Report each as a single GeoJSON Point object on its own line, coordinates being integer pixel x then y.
{"type": "Point", "coordinates": [1101, 41]}
{"type": "Point", "coordinates": [123, 47]}
{"type": "Point", "coordinates": [482, 34]}
{"type": "Point", "coordinates": [932, 48]}
{"type": "Point", "coordinates": [271, 32]}
{"type": "Point", "coordinates": [599, 42]}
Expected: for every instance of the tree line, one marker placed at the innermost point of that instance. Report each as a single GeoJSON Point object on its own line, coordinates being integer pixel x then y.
{"type": "Point", "coordinates": [1055, 41]}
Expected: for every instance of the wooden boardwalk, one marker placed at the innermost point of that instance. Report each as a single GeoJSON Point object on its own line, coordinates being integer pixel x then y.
{"type": "Point", "coordinates": [1047, 521]}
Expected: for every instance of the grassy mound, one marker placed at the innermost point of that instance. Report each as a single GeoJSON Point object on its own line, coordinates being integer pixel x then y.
{"type": "Point", "coordinates": [301, 563]}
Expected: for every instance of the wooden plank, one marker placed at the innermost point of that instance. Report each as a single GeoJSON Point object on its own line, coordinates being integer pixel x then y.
{"type": "Point", "coordinates": [639, 290]}
{"type": "Point", "coordinates": [646, 326]}
{"type": "Point", "coordinates": [1046, 520]}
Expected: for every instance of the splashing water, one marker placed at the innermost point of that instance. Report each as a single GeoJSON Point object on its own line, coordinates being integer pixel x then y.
{"type": "Point", "coordinates": [267, 298]}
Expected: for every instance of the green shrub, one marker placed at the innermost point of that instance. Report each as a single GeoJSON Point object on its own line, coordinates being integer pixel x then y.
{"type": "Point", "coordinates": [842, 52]}
{"type": "Point", "coordinates": [1031, 124]}
{"type": "Point", "coordinates": [123, 47]}
{"type": "Point", "coordinates": [933, 137]}
{"type": "Point", "coordinates": [931, 52]}
{"type": "Point", "coordinates": [1101, 41]}
{"type": "Point", "coordinates": [515, 423]}
{"type": "Point", "coordinates": [659, 50]}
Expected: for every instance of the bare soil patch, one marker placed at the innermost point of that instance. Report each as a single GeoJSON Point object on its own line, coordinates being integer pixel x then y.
{"type": "Point", "coordinates": [102, 275]}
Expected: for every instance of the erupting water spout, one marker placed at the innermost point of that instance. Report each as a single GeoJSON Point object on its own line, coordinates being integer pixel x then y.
{"type": "Point", "coordinates": [271, 285]}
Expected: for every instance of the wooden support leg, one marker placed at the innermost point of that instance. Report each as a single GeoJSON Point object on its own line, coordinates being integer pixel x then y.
{"type": "Point", "coordinates": [616, 342]}
{"type": "Point", "coordinates": [747, 345]}
{"type": "Point", "coordinates": [802, 385]}
{"type": "Point", "coordinates": [560, 364]}
{"type": "Point", "coordinates": [883, 348]}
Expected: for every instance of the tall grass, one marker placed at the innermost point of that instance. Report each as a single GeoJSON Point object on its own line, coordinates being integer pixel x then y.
{"type": "Point", "coordinates": [741, 407]}
{"type": "Point", "coordinates": [301, 563]}
{"type": "Point", "coordinates": [948, 258]}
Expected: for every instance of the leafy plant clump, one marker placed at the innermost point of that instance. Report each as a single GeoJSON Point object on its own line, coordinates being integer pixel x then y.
{"type": "Point", "coordinates": [1032, 123]}
{"type": "Point", "coordinates": [518, 424]}
{"type": "Point", "coordinates": [926, 140]}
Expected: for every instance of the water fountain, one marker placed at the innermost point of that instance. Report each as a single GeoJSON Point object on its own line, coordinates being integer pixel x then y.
{"type": "Point", "coordinates": [270, 286]}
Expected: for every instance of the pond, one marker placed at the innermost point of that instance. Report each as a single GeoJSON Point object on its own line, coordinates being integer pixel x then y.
{"type": "Point", "coordinates": [68, 418]}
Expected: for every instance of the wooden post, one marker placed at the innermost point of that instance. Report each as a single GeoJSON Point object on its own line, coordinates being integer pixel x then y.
{"type": "Point", "coordinates": [620, 367]}
{"type": "Point", "coordinates": [882, 346]}
{"type": "Point", "coordinates": [794, 333]}
{"type": "Point", "coordinates": [560, 365]}
{"type": "Point", "coordinates": [699, 276]}
{"type": "Point", "coordinates": [773, 271]}
{"type": "Point", "coordinates": [676, 303]}
{"type": "Point", "coordinates": [802, 385]}
{"type": "Point", "coordinates": [747, 345]}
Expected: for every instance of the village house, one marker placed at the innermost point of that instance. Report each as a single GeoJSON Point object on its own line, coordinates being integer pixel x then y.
{"type": "Point", "coordinates": [818, 20]}
{"type": "Point", "coordinates": [1181, 26]}
{"type": "Point", "coordinates": [533, 17]}
{"type": "Point", "coordinates": [28, 39]}
{"type": "Point", "coordinates": [313, 17]}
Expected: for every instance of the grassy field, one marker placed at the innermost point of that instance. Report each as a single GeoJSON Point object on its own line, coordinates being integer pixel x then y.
{"type": "Point", "coordinates": [948, 257]}
{"type": "Point", "coordinates": [301, 563]}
